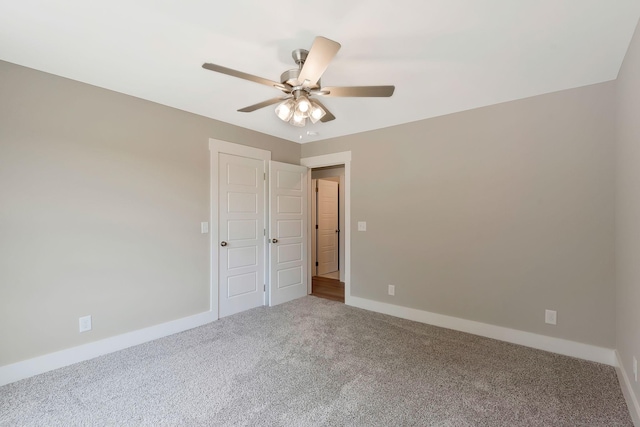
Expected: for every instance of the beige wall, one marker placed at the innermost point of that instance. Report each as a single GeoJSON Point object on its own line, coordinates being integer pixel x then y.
{"type": "Point", "coordinates": [628, 209]}
{"type": "Point", "coordinates": [498, 212]}
{"type": "Point", "coordinates": [493, 215]}
{"type": "Point", "coordinates": [101, 199]}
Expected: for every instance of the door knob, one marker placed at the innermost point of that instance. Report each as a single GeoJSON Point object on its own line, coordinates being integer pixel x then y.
{"type": "Point", "coordinates": [274, 240]}
{"type": "Point", "coordinates": [337, 231]}
{"type": "Point", "coordinates": [223, 243]}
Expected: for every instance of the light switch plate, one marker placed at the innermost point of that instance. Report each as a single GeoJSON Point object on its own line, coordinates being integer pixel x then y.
{"type": "Point", "coordinates": [204, 227]}
{"type": "Point", "coordinates": [85, 323]}
{"type": "Point", "coordinates": [551, 317]}
{"type": "Point", "coordinates": [362, 226]}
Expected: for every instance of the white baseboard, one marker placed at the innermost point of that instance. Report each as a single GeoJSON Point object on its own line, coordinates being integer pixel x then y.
{"type": "Point", "coordinates": [48, 362]}
{"type": "Point", "coordinates": [627, 391]}
{"type": "Point", "coordinates": [528, 339]}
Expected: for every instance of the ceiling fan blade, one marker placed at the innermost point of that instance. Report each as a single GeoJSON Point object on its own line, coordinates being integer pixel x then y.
{"type": "Point", "coordinates": [320, 55]}
{"type": "Point", "coordinates": [328, 116]}
{"type": "Point", "coordinates": [241, 75]}
{"type": "Point", "coordinates": [262, 104]}
{"type": "Point", "coordinates": [357, 91]}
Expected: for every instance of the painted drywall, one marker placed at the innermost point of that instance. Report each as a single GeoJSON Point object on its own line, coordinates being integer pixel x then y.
{"type": "Point", "coordinates": [101, 196]}
{"type": "Point", "coordinates": [332, 173]}
{"type": "Point", "coordinates": [493, 214]}
{"type": "Point", "coordinates": [628, 210]}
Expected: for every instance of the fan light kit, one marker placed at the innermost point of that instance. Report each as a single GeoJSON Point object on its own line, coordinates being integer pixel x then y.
{"type": "Point", "coordinates": [302, 83]}
{"type": "Point", "coordinates": [299, 110]}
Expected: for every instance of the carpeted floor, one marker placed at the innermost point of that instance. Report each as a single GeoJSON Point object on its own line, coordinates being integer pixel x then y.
{"type": "Point", "coordinates": [319, 362]}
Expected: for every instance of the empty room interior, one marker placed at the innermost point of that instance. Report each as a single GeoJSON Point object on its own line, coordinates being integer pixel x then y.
{"type": "Point", "coordinates": [348, 213]}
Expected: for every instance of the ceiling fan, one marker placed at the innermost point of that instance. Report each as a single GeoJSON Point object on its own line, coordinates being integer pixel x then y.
{"type": "Point", "coordinates": [302, 84]}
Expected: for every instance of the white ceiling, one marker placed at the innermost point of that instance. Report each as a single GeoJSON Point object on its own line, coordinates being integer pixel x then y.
{"type": "Point", "coordinates": [443, 56]}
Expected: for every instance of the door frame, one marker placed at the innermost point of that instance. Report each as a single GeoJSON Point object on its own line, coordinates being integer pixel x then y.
{"type": "Point", "coordinates": [335, 159]}
{"type": "Point", "coordinates": [215, 148]}
{"type": "Point", "coordinates": [314, 235]}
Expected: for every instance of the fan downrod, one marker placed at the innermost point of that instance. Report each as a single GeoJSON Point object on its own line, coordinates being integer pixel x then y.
{"type": "Point", "coordinates": [299, 56]}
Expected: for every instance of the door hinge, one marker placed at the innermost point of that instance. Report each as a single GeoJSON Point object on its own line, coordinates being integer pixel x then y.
{"type": "Point", "coordinates": [316, 189]}
{"type": "Point", "coordinates": [264, 288]}
{"type": "Point", "coordinates": [316, 263]}
{"type": "Point", "coordinates": [264, 232]}
{"type": "Point", "coordinates": [316, 226]}
{"type": "Point", "coordinates": [264, 176]}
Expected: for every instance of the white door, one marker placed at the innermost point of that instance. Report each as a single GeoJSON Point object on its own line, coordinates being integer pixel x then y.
{"type": "Point", "coordinates": [287, 232]}
{"type": "Point", "coordinates": [327, 232]}
{"type": "Point", "coordinates": [241, 233]}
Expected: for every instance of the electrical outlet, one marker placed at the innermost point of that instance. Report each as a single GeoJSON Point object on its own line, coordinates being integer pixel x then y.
{"type": "Point", "coordinates": [204, 227]}
{"type": "Point", "coordinates": [85, 323]}
{"type": "Point", "coordinates": [392, 290]}
{"type": "Point", "coordinates": [551, 317]}
{"type": "Point", "coordinates": [362, 226]}
{"type": "Point", "coordinates": [635, 368]}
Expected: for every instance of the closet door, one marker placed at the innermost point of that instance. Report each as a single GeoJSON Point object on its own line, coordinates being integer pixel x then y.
{"type": "Point", "coordinates": [288, 258]}
{"type": "Point", "coordinates": [241, 248]}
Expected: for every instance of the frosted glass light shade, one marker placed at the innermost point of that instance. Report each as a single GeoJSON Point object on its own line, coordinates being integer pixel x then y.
{"type": "Point", "coordinates": [317, 112]}
{"type": "Point", "coordinates": [285, 110]}
{"type": "Point", "coordinates": [298, 120]}
{"type": "Point", "coordinates": [302, 105]}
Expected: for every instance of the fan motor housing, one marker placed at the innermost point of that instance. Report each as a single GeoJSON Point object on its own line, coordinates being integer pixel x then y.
{"type": "Point", "coordinates": [290, 77]}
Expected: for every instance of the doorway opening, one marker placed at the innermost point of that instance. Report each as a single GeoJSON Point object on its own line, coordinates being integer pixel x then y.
{"type": "Point", "coordinates": [327, 236]}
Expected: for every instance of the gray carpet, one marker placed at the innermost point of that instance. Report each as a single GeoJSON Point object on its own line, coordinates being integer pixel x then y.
{"type": "Point", "coordinates": [319, 362]}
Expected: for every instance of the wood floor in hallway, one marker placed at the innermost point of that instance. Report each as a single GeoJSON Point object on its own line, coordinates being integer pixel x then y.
{"type": "Point", "coordinates": [323, 287]}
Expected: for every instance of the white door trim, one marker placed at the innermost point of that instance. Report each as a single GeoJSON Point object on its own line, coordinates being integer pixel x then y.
{"type": "Point", "coordinates": [335, 159]}
{"type": "Point", "coordinates": [216, 147]}
{"type": "Point", "coordinates": [314, 235]}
